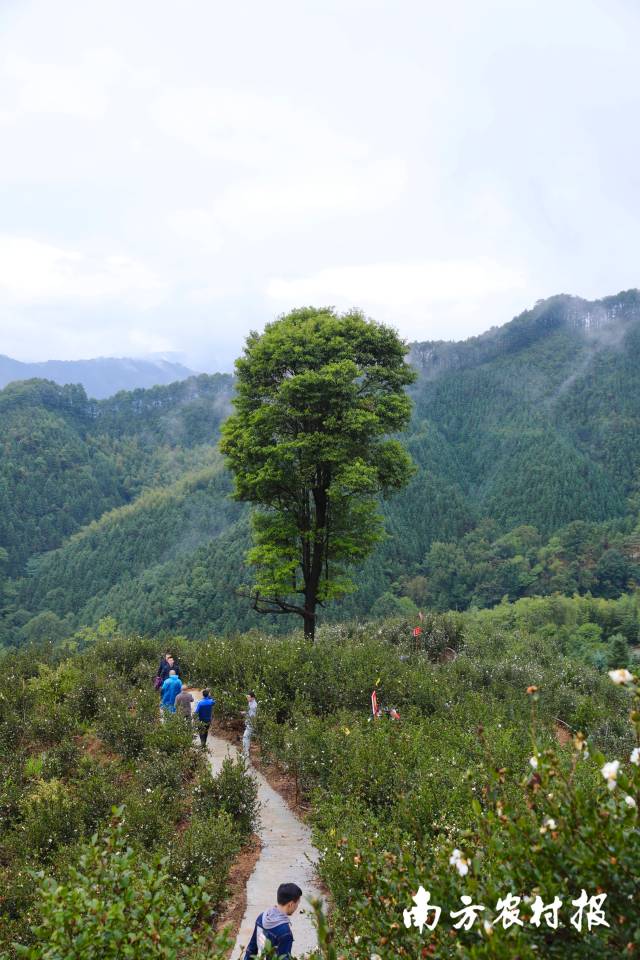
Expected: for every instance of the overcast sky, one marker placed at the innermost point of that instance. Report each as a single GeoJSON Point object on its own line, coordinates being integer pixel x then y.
{"type": "Point", "coordinates": [174, 174]}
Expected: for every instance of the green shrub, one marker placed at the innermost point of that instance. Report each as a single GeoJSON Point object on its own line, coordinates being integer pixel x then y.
{"type": "Point", "coordinates": [233, 791]}
{"type": "Point", "coordinates": [50, 817]}
{"type": "Point", "coordinates": [570, 824]}
{"type": "Point", "coordinates": [114, 905]}
{"type": "Point", "coordinates": [206, 848]}
{"type": "Point", "coordinates": [124, 721]}
{"type": "Point", "coordinates": [150, 816]}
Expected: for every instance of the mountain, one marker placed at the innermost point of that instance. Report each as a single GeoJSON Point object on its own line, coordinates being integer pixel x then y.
{"type": "Point", "coordinates": [66, 459]}
{"type": "Point", "coordinates": [101, 377]}
{"type": "Point", "coordinates": [525, 439]}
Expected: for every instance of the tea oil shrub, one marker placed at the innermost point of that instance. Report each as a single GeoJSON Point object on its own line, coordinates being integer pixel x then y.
{"type": "Point", "coordinates": [206, 848]}
{"type": "Point", "coordinates": [50, 817]}
{"type": "Point", "coordinates": [114, 903]}
{"type": "Point", "coordinates": [233, 792]}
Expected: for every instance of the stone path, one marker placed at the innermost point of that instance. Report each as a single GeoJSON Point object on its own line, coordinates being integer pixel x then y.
{"type": "Point", "coordinates": [287, 856]}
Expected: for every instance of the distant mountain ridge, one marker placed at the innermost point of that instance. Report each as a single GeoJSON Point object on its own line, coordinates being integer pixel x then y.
{"type": "Point", "coordinates": [101, 377]}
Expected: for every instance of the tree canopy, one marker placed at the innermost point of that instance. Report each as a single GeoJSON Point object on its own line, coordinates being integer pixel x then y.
{"type": "Point", "coordinates": [318, 395]}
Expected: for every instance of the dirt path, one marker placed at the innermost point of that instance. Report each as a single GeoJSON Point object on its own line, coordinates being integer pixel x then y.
{"type": "Point", "coordinates": [287, 855]}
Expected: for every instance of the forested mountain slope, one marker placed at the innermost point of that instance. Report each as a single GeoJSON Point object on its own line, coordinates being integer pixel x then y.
{"type": "Point", "coordinates": [526, 441]}
{"type": "Point", "coordinates": [66, 459]}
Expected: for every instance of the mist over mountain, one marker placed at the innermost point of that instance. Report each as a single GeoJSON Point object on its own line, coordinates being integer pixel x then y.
{"type": "Point", "coordinates": [101, 377]}
{"type": "Point", "coordinates": [528, 483]}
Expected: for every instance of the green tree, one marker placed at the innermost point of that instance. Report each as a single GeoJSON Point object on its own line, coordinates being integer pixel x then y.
{"type": "Point", "coordinates": [317, 396]}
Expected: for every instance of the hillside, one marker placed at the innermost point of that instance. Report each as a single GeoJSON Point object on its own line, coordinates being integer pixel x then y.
{"type": "Point", "coordinates": [100, 377]}
{"type": "Point", "coordinates": [528, 463]}
{"type": "Point", "coordinates": [475, 766]}
{"type": "Point", "coordinates": [66, 459]}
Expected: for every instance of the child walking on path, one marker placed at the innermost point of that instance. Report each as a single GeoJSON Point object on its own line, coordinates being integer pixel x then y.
{"type": "Point", "coordinates": [274, 925]}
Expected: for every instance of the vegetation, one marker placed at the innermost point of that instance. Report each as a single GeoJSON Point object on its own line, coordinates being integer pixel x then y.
{"type": "Point", "coordinates": [113, 905]}
{"type": "Point", "coordinates": [526, 485]}
{"type": "Point", "coordinates": [80, 735]}
{"type": "Point", "coordinates": [316, 396]}
{"type": "Point", "coordinates": [391, 801]}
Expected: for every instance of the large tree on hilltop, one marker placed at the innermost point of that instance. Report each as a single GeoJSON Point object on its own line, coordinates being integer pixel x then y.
{"type": "Point", "coordinates": [317, 396]}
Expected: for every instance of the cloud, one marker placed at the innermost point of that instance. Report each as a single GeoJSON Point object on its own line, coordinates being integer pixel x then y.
{"type": "Point", "coordinates": [318, 191]}
{"type": "Point", "coordinates": [81, 89]}
{"type": "Point", "coordinates": [32, 272]}
{"type": "Point", "coordinates": [248, 129]}
{"type": "Point", "coordinates": [389, 287]}
{"type": "Point", "coordinates": [197, 228]}
{"type": "Point", "coordinates": [278, 164]}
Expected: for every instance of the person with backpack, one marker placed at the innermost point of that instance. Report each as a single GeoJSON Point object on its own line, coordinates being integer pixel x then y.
{"type": "Point", "coordinates": [274, 924]}
{"type": "Point", "coordinates": [204, 714]}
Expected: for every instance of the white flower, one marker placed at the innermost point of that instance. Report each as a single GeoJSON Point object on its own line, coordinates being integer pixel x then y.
{"type": "Point", "coordinates": [458, 861]}
{"type": "Point", "coordinates": [550, 823]}
{"type": "Point", "coordinates": [488, 928]}
{"type": "Point", "coordinates": [610, 772]}
{"type": "Point", "coordinates": [621, 676]}
{"type": "Point", "coordinates": [630, 802]}
{"type": "Point", "coordinates": [534, 762]}
{"type": "Point", "coordinates": [635, 756]}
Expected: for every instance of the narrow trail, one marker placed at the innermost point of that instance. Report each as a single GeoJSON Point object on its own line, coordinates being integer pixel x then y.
{"type": "Point", "coordinates": [287, 856]}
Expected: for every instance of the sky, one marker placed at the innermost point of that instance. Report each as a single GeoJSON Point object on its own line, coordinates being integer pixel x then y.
{"type": "Point", "coordinates": [174, 175]}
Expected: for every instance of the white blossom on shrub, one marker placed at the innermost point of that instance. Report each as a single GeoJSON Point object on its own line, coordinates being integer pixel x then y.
{"type": "Point", "coordinates": [621, 676]}
{"type": "Point", "coordinates": [610, 773]}
{"type": "Point", "coordinates": [459, 862]}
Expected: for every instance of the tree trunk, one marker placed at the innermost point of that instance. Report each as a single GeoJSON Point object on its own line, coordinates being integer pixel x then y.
{"type": "Point", "coordinates": [310, 621]}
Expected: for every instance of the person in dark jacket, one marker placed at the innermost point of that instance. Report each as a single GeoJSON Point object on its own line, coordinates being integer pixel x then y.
{"type": "Point", "coordinates": [274, 925]}
{"type": "Point", "coordinates": [167, 663]}
{"type": "Point", "coordinates": [203, 714]}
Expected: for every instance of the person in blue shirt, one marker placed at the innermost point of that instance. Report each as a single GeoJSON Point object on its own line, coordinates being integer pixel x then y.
{"type": "Point", "coordinates": [274, 925]}
{"type": "Point", "coordinates": [204, 714]}
{"type": "Point", "coordinates": [170, 690]}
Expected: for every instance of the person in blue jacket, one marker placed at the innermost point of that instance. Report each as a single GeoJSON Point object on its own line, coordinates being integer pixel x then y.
{"type": "Point", "coordinates": [170, 690]}
{"type": "Point", "coordinates": [274, 926]}
{"type": "Point", "coordinates": [204, 714]}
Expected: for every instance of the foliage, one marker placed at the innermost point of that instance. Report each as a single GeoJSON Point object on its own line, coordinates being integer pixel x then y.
{"type": "Point", "coordinates": [78, 735]}
{"type": "Point", "coordinates": [560, 829]}
{"type": "Point", "coordinates": [231, 792]}
{"type": "Point", "coordinates": [527, 478]}
{"type": "Point", "coordinates": [317, 395]}
{"type": "Point", "coordinates": [115, 904]}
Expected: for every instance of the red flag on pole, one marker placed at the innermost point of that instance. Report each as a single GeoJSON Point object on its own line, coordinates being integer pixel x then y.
{"type": "Point", "coordinates": [417, 631]}
{"type": "Point", "coordinates": [374, 703]}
